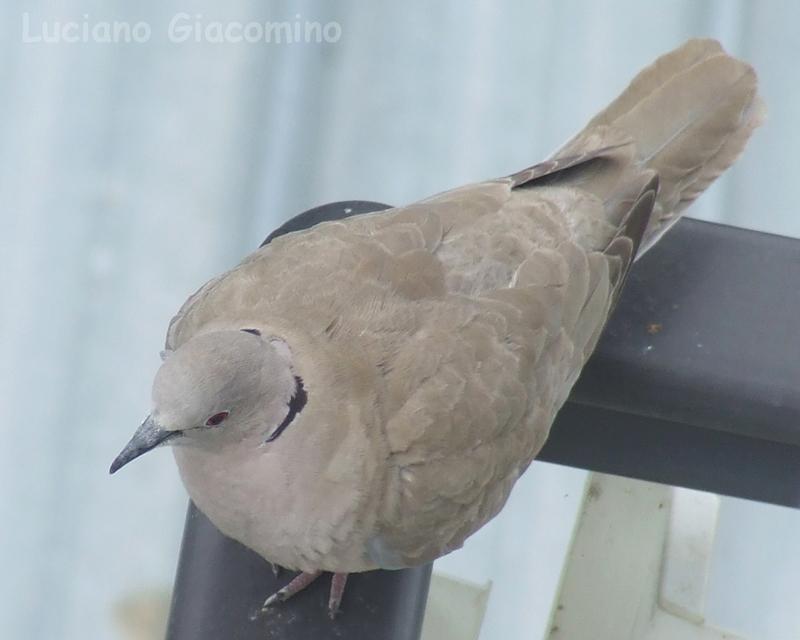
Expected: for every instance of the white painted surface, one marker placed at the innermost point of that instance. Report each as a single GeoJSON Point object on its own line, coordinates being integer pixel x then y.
{"type": "Point", "coordinates": [455, 608]}
{"type": "Point", "coordinates": [638, 565]}
{"type": "Point", "coordinates": [691, 534]}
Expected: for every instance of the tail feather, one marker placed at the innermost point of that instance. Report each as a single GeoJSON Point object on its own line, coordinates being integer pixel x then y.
{"type": "Point", "coordinates": [657, 75]}
{"type": "Point", "coordinates": [688, 115]}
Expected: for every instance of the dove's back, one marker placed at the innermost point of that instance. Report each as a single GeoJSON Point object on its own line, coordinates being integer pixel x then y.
{"type": "Point", "coordinates": [440, 339]}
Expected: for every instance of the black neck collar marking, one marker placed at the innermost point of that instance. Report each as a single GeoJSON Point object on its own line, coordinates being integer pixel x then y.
{"type": "Point", "coordinates": [296, 404]}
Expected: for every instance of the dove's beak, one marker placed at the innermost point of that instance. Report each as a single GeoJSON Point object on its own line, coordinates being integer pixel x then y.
{"type": "Point", "coordinates": [147, 437]}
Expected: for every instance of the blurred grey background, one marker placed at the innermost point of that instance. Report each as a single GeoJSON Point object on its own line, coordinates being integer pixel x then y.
{"type": "Point", "coordinates": [132, 173]}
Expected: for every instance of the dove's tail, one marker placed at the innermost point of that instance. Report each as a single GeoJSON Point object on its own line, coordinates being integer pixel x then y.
{"type": "Point", "coordinates": [689, 115]}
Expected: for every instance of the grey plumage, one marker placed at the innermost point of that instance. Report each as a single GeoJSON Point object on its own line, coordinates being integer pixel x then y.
{"type": "Point", "coordinates": [435, 342]}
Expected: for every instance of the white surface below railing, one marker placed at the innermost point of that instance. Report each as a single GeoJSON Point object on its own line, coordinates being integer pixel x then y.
{"type": "Point", "coordinates": [633, 563]}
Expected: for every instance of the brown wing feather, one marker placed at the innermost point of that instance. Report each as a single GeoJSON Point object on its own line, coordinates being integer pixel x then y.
{"type": "Point", "coordinates": [560, 163]}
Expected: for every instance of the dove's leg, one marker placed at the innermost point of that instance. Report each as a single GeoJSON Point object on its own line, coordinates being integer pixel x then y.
{"type": "Point", "coordinates": [301, 581]}
{"type": "Point", "coordinates": [297, 584]}
{"type": "Point", "coordinates": [338, 582]}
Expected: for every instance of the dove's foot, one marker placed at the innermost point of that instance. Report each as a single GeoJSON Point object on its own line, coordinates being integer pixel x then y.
{"type": "Point", "coordinates": [297, 584]}
{"type": "Point", "coordinates": [301, 581]}
{"type": "Point", "coordinates": [338, 581]}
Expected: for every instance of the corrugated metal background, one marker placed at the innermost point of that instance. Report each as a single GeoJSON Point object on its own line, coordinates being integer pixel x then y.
{"type": "Point", "coordinates": [131, 173]}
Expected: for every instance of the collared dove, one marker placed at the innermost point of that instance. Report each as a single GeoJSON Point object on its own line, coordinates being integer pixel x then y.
{"type": "Point", "coordinates": [364, 394]}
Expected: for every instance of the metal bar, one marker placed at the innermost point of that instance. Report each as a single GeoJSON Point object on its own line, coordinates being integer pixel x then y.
{"type": "Point", "coordinates": [675, 453]}
{"type": "Point", "coordinates": [221, 584]}
{"type": "Point", "coordinates": [696, 380]}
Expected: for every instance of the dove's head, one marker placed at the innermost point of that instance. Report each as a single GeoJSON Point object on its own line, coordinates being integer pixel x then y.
{"type": "Point", "coordinates": [217, 388]}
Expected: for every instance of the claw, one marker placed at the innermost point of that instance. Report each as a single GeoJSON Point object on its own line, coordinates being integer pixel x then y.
{"type": "Point", "coordinates": [298, 583]}
{"type": "Point", "coordinates": [275, 598]}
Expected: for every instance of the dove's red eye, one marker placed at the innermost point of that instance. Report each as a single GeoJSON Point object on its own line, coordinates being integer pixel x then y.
{"type": "Point", "coordinates": [216, 419]}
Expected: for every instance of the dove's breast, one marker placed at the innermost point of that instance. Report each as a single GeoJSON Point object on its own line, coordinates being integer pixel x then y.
{"type": "Point", "coordinates": [304, 501]}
